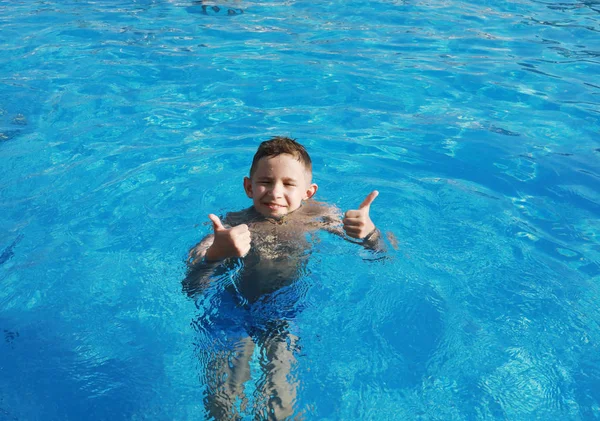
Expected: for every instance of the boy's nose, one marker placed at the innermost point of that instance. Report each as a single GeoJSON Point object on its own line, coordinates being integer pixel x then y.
{"type": "Point", "coordinates": [277, 190]}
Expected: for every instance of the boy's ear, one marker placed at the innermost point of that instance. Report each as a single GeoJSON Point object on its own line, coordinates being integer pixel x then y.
{"type": "Point", "coordinates": [248, 187]}
{"type": "Point", "coordinates": [310, 192]}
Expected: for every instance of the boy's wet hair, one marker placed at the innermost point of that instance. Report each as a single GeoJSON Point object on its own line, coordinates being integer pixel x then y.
{"type": "Point", "coordinates": [279, 145]}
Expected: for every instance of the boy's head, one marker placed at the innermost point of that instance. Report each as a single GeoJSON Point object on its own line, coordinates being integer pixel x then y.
{"type": "Point", "coordinates": [280, 177]}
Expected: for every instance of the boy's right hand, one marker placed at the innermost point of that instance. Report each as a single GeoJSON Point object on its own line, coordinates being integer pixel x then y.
{"type": "Point", "coordinates": [228, 242]}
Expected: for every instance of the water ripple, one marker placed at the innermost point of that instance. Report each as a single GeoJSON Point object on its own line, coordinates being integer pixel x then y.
{"type": "Point", "coordinates": [122, 126]}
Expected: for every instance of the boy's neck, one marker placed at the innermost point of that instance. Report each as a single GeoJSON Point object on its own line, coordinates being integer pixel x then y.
{"type": "Point", "coordinates": [276, 219]}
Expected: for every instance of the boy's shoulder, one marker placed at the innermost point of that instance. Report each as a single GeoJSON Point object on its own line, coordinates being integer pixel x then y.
{"type": "Point", "coordinates": [243, 216]}
{"type": "Point", "coordinates": [314, 208]}
{"type": "Point", "coordinates": [320, 214]}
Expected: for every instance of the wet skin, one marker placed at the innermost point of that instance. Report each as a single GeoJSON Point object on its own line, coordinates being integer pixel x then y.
{"type": "Point", "coordinates": [279, 248]}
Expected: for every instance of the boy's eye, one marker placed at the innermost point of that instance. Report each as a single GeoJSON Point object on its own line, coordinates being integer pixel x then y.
{"type": "Point", "coordinates": [290, 184]}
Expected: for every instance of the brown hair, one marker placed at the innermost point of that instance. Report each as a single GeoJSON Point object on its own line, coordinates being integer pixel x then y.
{"type": "Point", "coordinates": [279, 145]}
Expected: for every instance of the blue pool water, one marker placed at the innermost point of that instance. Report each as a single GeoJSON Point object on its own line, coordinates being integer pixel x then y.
{"type": "Point", "coordinates": [124, 123]}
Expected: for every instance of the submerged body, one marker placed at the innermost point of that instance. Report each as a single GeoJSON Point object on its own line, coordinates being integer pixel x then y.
{"type": "Point", "coordinates": [259, 308]}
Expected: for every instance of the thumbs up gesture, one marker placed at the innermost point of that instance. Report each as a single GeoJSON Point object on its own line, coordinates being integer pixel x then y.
{"type": "Point", "coordinates": [228, 242]}
{"type": "Point", "coordinates": [357, 223]}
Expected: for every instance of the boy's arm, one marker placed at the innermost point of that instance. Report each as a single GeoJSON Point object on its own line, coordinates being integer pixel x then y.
{"type": "Point", "coordinates": [356, 226]}
{"type": "Point", "coordinates": [199, 269]}
{"type": "Point", "coordinates": [208, 254]}
{"type": "Point", "coordinates": [198, 252]}
{"type": "Point", "coordinates": [374, 241]}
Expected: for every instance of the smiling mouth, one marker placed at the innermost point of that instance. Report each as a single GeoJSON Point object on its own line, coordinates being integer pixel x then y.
{"type": "Point", "coordinates": [274, 206]}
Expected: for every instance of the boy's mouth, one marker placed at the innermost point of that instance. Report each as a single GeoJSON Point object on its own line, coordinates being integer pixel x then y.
{"type": "Point", "coordinates": [274, 206]}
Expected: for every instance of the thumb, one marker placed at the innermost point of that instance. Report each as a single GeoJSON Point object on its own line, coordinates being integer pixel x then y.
{"type": "Point", "coordinates": [367, 202]}
{"type": "Point", "coordinates": [217, 224]}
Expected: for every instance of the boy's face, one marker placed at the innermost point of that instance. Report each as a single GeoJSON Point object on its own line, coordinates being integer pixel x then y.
{"type": "Point", "coordinates": [279, 185]}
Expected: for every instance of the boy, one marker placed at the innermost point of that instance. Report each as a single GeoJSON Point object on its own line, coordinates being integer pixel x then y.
{"type": "Point", "coordinates": [270, 238]}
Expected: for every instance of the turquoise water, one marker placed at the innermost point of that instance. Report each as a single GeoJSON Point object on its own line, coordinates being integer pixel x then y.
{"type": "Point", "coordinates": [123, 124]}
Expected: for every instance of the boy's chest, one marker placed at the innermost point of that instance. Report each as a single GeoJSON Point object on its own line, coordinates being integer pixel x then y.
{"type": "Point", "coordinates": [271, 241]}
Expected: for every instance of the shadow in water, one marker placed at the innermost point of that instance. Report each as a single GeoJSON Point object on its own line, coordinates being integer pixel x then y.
{"type": "Point", "coordinates": [204, 8]}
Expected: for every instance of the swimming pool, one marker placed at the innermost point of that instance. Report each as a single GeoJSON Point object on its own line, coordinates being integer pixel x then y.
{"type": "Point", "coordinates": [124, 123]}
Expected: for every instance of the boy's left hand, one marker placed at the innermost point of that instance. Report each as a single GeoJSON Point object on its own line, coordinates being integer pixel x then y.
{"type": "Point", "coordinates": [357, 223]}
